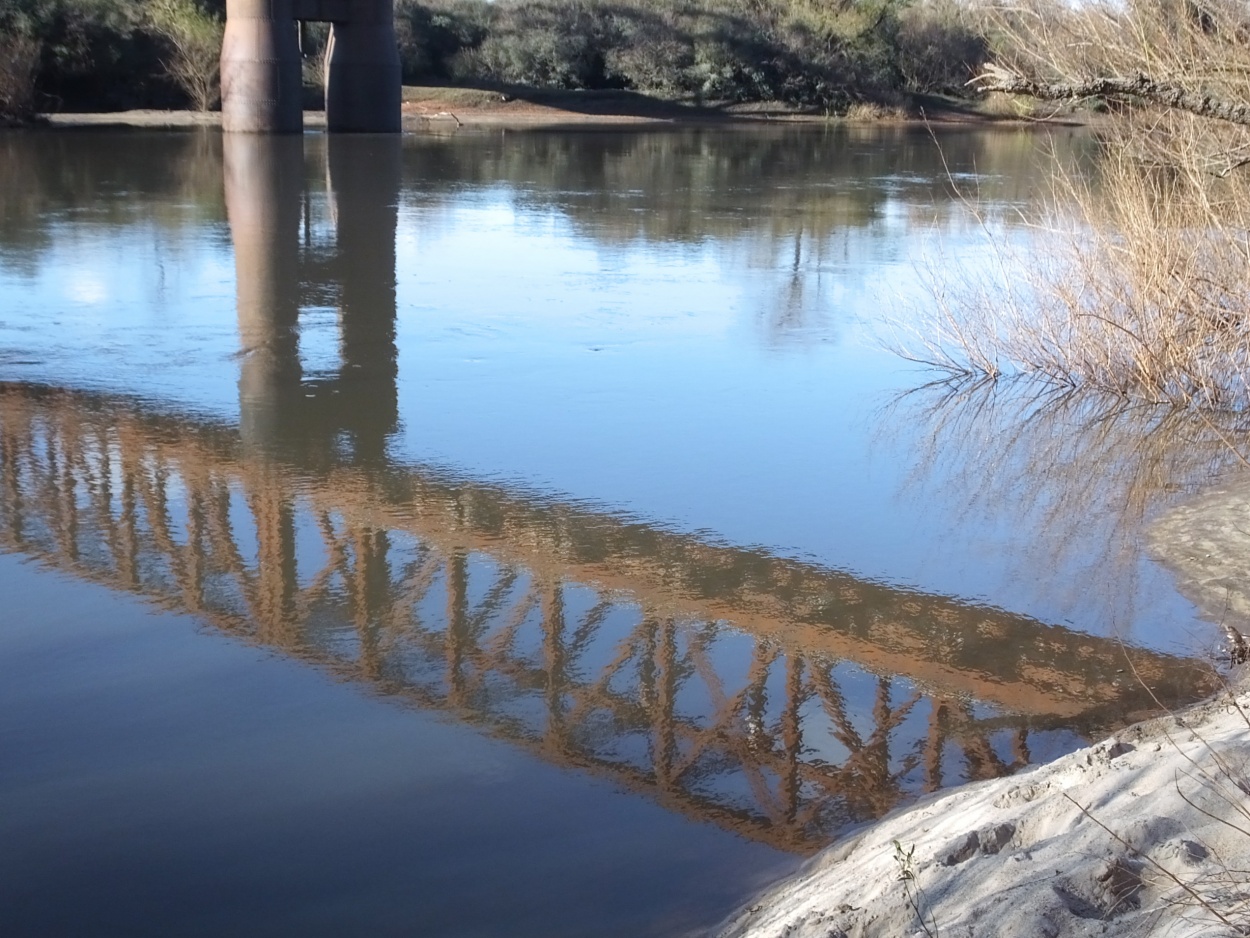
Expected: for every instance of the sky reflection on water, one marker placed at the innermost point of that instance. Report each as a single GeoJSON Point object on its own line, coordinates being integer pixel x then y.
{"type": "Point", "coordinates": [681, 326]}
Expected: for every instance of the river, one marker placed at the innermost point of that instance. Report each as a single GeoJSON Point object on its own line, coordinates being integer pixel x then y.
{"type": "Point", "coordinates": [528, 532]}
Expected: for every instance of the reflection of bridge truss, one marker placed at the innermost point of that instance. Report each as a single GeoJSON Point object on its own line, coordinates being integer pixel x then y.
{"type": "Point", "coordinates": [591, 641]}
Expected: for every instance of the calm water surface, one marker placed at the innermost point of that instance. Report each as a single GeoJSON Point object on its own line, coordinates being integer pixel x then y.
{"type": "Point", "coordinates": [526, 533]}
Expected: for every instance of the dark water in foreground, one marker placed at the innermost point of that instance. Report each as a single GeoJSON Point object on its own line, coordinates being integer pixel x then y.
{"type": "Point", "coordinates": [522, 534]}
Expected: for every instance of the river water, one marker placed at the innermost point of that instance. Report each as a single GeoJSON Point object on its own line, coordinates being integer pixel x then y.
{"type": "Point", "coordinates": [528, 533]}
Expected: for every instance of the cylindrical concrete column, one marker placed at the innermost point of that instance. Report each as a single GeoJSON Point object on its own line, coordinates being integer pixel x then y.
{"type": "Point", "coordinates": [363, 85]}
{"type": "Point", "coordinates": [261, 80]}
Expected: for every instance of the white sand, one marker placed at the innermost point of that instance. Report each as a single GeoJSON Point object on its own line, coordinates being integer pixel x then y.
{"type": "Point", "coordinates": [1019, 856]}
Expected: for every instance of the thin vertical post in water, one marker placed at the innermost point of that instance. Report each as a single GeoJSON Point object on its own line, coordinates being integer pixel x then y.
{"type": "Point", "coordinates": [457, 636]}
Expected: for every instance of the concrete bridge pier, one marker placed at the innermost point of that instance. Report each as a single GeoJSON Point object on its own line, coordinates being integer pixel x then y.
{"type": "Point", "coordinates": [261, 71]}
{"type": "Point", "coordinates": [261, 66]}
{"type": "Point", "coordinates": [364, 89]}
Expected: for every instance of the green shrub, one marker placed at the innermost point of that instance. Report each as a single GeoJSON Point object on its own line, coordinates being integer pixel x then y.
{"type": "Point", "coordinates": [192, 38]}
{"type": "Point", "coordinates": [105, 54]}
{"type": "Point", "coordinates": [94, 54]}
{"type": "Point", "coordinates": [432, 36]}
{"type": "Point", "coordinates": [545, 45]}
{"type": "Point", "coordinates": [714, 49]}
{"type": "Point", "coordinates": [657, 64]}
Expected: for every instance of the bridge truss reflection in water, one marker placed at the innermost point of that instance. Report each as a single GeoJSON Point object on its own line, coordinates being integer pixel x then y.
{"type": "Point", "coordinates": [777, 699]}
{"type": "Point", "coordinates": [771, 697]}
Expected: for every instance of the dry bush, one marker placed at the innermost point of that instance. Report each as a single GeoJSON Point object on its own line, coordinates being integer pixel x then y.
{"type": "Point", "coordinates": [1174, 73]}
{"type": "Point", "coordinates": [875, 111]}
{"type": "Point", "coordinates": [1137, 282]}
{"type": "Point", "coordinates": [19, 66]}
{"type": "Point", "coordinates": [940, 46]}
{"type": "Point", "coordinates": [1051, 48]}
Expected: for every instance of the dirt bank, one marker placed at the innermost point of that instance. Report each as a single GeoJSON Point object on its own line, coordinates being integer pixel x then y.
{"type": "Point", "coordinates": [441, 109]}
{"type": "Point", "coordinates": [528, 107]}
{"type": "Point", "coordinates": [1134, 836]}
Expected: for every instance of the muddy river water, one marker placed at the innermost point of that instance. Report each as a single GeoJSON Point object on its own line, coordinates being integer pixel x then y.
{"type": "Point", "coordinates": [528, 533]}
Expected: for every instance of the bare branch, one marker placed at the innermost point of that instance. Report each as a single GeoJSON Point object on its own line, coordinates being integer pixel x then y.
{"type": "Point", "coordinates": [1160, 93]}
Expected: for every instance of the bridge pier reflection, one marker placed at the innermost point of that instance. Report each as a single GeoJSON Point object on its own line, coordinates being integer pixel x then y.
{"type": "Point", "coordinates": [283, 408]}
{"type": "Point", "coordinates": [364, 177]}
{"type": "Point", "coordinates": [264, 183]}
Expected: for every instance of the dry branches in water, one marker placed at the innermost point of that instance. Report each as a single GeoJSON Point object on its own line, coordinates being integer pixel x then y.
{"type": "Point", "coordinates": [1136, 283]}
{"type": "Point", "coordinates": [1137, 279]}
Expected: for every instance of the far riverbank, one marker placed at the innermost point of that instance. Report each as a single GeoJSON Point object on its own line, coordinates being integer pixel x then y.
{"type": "Point", "coordinates": [449, 108]}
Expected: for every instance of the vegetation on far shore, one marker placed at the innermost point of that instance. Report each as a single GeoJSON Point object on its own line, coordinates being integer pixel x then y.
{"type": "Point", "coordinates": [84, 55]}
{"type": "Point", "coordinates": [90, 55]}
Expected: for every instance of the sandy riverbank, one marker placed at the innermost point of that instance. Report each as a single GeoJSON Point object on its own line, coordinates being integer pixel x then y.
{"type": "Point", "coordinates": [440, 109]}
{"type": "Point", "coordinates": [1125, 838]}
{"type": "Point", "coordinates": [449, 113]}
